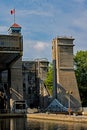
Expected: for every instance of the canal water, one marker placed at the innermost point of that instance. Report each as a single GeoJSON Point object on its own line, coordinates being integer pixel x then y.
{"type": "Point", "coordinates": [28, 124]}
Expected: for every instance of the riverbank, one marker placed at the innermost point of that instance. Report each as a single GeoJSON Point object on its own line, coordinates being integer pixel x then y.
{"type": "Point", "coordinates": [58, 117]}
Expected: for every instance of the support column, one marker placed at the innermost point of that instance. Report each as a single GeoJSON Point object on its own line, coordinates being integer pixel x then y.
{"type": "Point", "coordinates": [8, 90]}
{"type": "Point", "coordinates": [54, 70]}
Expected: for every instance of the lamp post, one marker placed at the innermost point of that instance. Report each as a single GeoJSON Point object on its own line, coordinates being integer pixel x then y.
{"type": "Point", "coordinates": [69, 98]}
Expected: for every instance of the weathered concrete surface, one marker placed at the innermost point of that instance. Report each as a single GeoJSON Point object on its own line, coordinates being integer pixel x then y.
{"type": "Point", "coordinates": [58, 117]}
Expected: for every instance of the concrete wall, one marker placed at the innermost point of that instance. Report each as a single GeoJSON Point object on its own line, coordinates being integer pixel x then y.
{"type": "Point", "coordinates": [34, 73]}
{"type": "Point", "coordinates": [17, 80]}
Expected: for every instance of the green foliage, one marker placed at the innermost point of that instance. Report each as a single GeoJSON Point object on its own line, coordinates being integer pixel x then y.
{"type": "Point", "coordinates": [81, 74]}
{"type": "Point", "coordinates": [49, 80]}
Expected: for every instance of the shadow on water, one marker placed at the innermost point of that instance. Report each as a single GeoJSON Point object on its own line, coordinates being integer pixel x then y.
{"type": "Point", "coordinates": [31, 124]}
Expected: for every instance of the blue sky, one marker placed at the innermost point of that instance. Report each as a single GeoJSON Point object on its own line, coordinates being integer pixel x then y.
{"type": "Point", "coordinates": [43, 20]}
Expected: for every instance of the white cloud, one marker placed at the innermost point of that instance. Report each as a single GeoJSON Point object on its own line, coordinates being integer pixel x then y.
{"type": "Point", "coordinates": [36, 49]}
{"type": "Point", "coordinates": [35, 45]}
{"type": "Point", "coordinates": [40, 46]}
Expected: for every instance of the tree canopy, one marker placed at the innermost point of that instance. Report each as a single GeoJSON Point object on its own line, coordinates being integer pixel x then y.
{"type": "Point", "coordinates": [49, 79]}
{"type": "Point", "coordinates": [81, 74]}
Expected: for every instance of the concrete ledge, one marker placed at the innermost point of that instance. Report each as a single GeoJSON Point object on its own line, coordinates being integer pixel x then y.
{"type": "Point", "coordinates": [8, 115]}
{"type": "Point", "coordinates": [46, 116]}
{"type": "Point", "coordinates": [58, 117]}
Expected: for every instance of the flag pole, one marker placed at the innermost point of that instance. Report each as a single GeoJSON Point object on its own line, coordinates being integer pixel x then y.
{"type": "Point", "coordinates": [14, 15]}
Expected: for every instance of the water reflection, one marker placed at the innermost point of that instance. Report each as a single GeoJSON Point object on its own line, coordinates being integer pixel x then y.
{"type": "Point", "coordinates": [13, 124]}
{"type": "Point", "coordinates": [28, 124]}
{"type": "Point", "coordinates": [56, 125]}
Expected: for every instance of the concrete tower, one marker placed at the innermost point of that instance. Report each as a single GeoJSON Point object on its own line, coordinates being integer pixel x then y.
{"type": "Point", "coordinates": [15, 69]}
{"type": "Point", "coordinates": [65, 84]}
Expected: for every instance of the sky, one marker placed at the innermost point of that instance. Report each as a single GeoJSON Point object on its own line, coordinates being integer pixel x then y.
{"type": "Point", "coordinates": [42, 21]}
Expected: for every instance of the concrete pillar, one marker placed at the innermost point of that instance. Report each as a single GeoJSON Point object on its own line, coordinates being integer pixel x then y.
{"type": "Point", "coordinates": [54, 69]}
{"type": "Point", "coordinates": [64, 75]}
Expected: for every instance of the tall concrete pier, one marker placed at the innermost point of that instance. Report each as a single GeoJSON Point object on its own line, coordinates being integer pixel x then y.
{"type": "Point", "coordinates": [11, 47]}
{"type": "Point", "coordinates": [65, 84]}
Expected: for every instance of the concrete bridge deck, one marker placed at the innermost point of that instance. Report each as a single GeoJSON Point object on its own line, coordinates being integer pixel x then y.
{"type": "Point", "coordinates": [11, 48]}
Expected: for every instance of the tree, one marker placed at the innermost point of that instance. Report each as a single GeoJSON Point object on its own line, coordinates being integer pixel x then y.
{"type": "Point", "coordinates": [81, 74]}
{"type": "Point", "coordinates": [49, 80]}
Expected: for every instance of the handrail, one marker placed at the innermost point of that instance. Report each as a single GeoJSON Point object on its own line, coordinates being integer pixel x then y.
{"type": "Point", "coordinates": [16, 93]}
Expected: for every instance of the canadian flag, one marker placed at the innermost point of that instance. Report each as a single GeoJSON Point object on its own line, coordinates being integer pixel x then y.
{"type": "Point", "coordinates": [12, 11]}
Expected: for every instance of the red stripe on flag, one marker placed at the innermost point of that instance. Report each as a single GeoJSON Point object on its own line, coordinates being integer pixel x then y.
{"type": "Point", "coordinates": [12, 11]}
